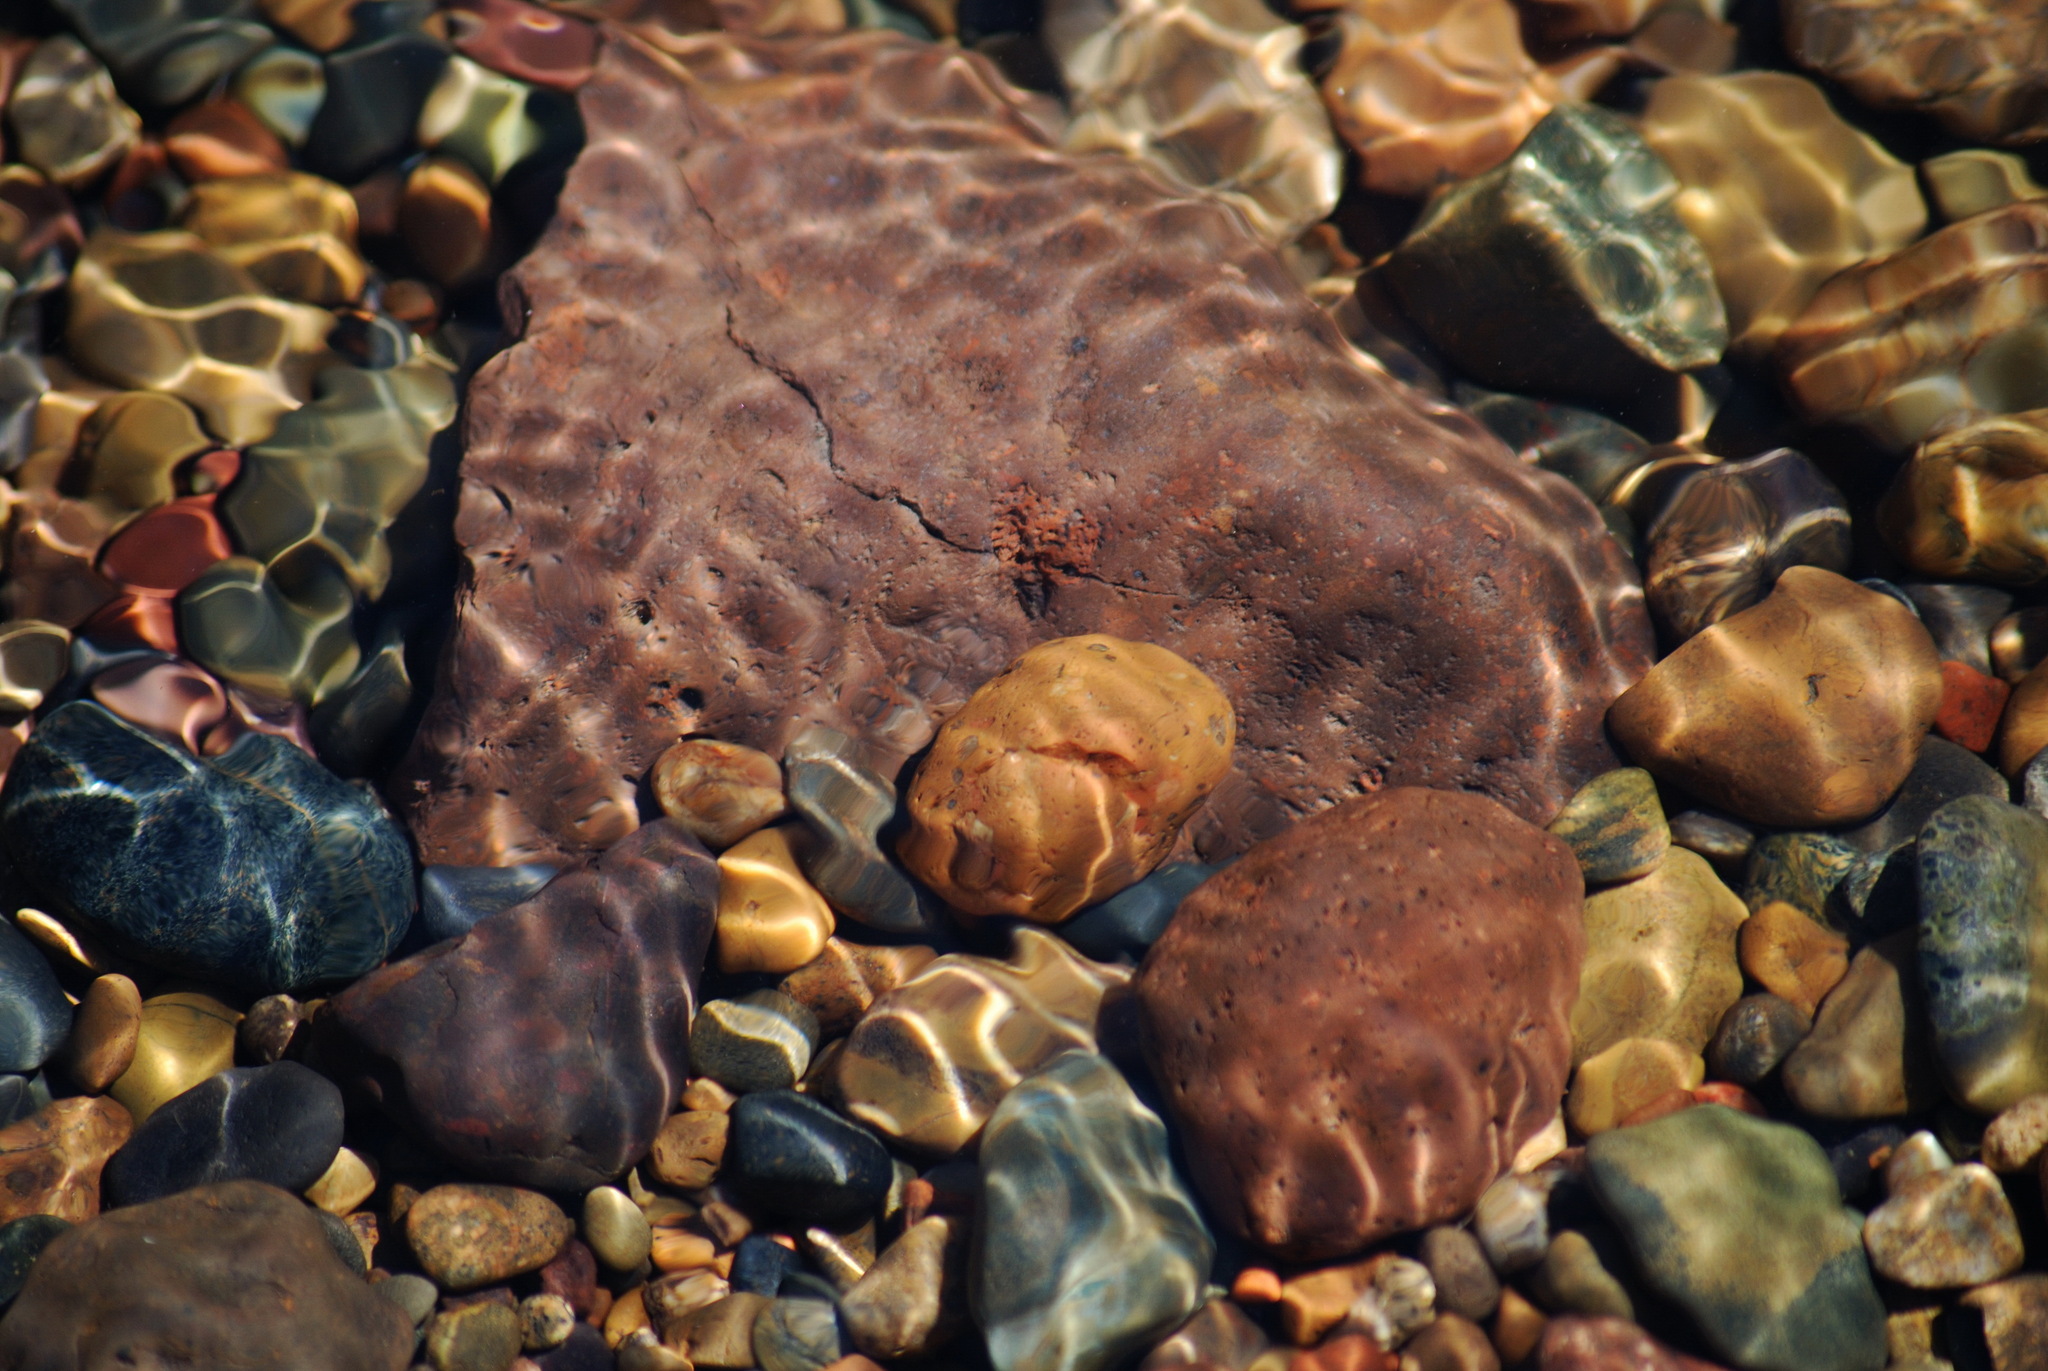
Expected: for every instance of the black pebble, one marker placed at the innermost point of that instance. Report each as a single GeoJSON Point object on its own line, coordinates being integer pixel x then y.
{"type": "Point", "coordinates": [279, 1123]}
{"type": "Point", "coordinates": [1131, 920]}
{"type": "Point", "coordinates": [759, 1265]}
{"type": "Point", "coordinates": [792, 1155]}
{"type": "Point", "coordinates": [21, 1242]}
{"type": "Point", "coordinates": [34, 1015]}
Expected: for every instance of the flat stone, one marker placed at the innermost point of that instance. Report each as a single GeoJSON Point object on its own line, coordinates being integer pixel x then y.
{"type": "Point", "coordinates": [1738, 1222]}
{"type": "Point", "coordinates": [1615, 826]}
{"type": "Point", "coordinates": [1087, 1247]}
{"type": "Point", "coordinates": [51, 1162]}
{"type": "Point", "coordinates": [294, 233]}
{"type": "Point", "coordinates": [279, 1124]}
{"type": "Point", "coordinates": [2015, 1320]}
{"type": "Point", "coordinates": [721, 1334]}
{"type": "Point", "coordinates": [1867, 1057]}
{"type": "Point", "coordinates": [1320, 935]}
{"type": "Point", "coordinates": [795, 1157]}
{"type": "Point", "coordinates": [546, 1046]}
{"type": "Point", "coordinates": [1755, 1035]}
{"type": "Point", "coordinates": [1945, 1228]}
{"type": "Point", "coordinates": [34, 1015]}
{"type": "Point", "coordinates": [930, 1061]}
{"type": "Point", "coordinates": [721, 792]}
{"type": "Point", "coordinates": [257, 868]}
{"type": "Point", "coordinates": [469, 1236]}
{"type": "Point", "coordinates": [239, 1272]}
{"type": "Point", "coordinates": [1066, 778]}
{"type": "Point", "coordinates": [528, 42]}
{"type": "Point", "coordinates": [184, 1037]}
{"type": "Point", "coordinates": [1983, 868]}
{"type": "Point", "coordinates": [1660, 958]}
{"type": "Point", "coordinates": [2013, 1141]}
{"type": "Point", "coordinates": [168, 54]}
{"type": "Point", "coordinates": [912, 616]}
{"type": "Point", "coordinates": [1791, 955]}
{"type": "Point", "coordinates": [845, 979]}
{"type": "Point", "coordinates": [761, 1041]}
{"type": "Point", "coordinates": [769, 917]}
{"type": "Point", "coordinates": [834, 787]}
{"type": "Point", "coordinates": [1805, 710]}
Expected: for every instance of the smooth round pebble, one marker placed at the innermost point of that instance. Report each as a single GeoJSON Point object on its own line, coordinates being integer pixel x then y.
{"type": "Point", "coordinates": [268, 1028]}
{"type": "Point", "coordinates": [103, 1033]}
{"type": "Point", "coordinates": [1465, 1281]}
{"type": "Point", "coordinates": [475, 1337]}
{"type": "Point", "coordinates": [280, 1124]}
{"type": "Point", "coordinates": [615, 1228]}
{"type": "Point", "coordinates": [1512, 1224]}
{"type": "Point", "coordinates": [1615, 826]}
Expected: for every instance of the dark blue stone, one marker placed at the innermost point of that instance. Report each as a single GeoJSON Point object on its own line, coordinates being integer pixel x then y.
{"type": "Point", "coordinates": [793, 1156]}
{"type": "Point", "coordinates": [260, 867]}
{"type": "Point", "coordinates": [21, 1242]}
{"type": "Point", "coordinates": [453, 899]}
{"type": "Point", "coordinates": [759, 1265]}
{"type": "Point", "coordinates": [280, 1124]}
{"type": "Point", "coordinates": [1131, 920]}
{"type": "Point", "coordinates": [165, 52]}
{"type": "Point", "coordinates": [34, 1015]}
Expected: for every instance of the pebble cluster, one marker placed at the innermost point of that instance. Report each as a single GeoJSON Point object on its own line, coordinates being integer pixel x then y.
{"type": "Point", "coordinates": [1491, 815]}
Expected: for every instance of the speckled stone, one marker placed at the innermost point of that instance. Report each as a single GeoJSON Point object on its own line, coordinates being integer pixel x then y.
{"type": "Point", "coordinates": [913, 1300]}
{"type": "Point", "coordinates": [2013, 1141]}
{"type": "Point", "coordinates": [1946, 1228]}
{"type": "Point", "coordinates": [1464, 1279]}
{"type": "Point", "coordinates": [844, 980]}
{"type": "Point", "coordinates": [286, 876]}
{"type": "Point", "coordinates": [719, 791]}
{"type": "Point", "coordinates": [1738, 1222]}
{"type": "Point", "coordinates": [2015, 1315]}
{"type": "Point", "coordinates": [1984, 946]}
{"type": "Point", "coordinates": [1615, 826]}
{"type": "Point", "coordinates": [761, 1041]}
{"type": "Point", "coordinates": [1087, 1247]}
{"type": "Point", "coordinates": [467, 1236]}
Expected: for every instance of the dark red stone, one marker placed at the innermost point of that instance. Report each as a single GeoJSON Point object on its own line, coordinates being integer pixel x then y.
{"type": "Point", "coordinates": [572, 1274]}
{"type": "Point", "coordinates": [524, 41]}
{"type": "Point", "coordinates": [1575, 1343]}
{"type": "Point", "coordinates": [1971, 704]}
{"type": "Point", "coordinates": [167, 548]}
{"type": "Point", "coordinates": [233, 1275]}
{"type": "Point", "coordinates": [135, 621]}
{"type": "Point", "coordinates": [547, 1045]}
{"type": "Point", "coordinates": [1359, 1024]}
{"type": "Point", "coordinates": [840, 386]}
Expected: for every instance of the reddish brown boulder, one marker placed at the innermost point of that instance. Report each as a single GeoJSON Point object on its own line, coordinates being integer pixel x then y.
{"type": "Point", "coordinates": [546, 1046]}
{"type": "Point", "coordinates": [1360, 1023]}
{"type": "Point", "coordinates": [1605, 1343]}
{"type": "Point", "coordinates": [840, 387]}
{"type": "Point", "coordinates": [233, 1275]}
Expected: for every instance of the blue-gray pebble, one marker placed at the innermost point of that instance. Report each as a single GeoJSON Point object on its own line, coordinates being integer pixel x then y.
{"type": "Point", "coordinates": [34, 1015]}
{"type": "Point", "coordinates": [454, 899]}
{"type": "Point", "coordinates": [259, 868]}
{"type": "Point", "coordinates": [280, 1124]}
{"type": "Point", "coordinates": [798, 1335]}
{"type": "Point", "coordinates": [1130, 921]}
{"type": "Point", "coordinates": [1088, 1247]}
{"type": "Point", "coordinates": [791, 1155]}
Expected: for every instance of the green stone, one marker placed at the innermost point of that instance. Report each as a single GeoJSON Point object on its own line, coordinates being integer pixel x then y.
{"type": "Point", "coordinates": [283, 630]}
{"type": "Point", "coordinates": [1565, 270]}
{"type": "Point", "coordinates": [283, 88]}
{"type": "Point", "coordinates": [1738, 1222]}
{"type": "Point", "coordinates": [1615, 826]}
{"type": "Point", "coordinates": [1802, 869]}
{"type": "Point", "coordinates": [483, 117]}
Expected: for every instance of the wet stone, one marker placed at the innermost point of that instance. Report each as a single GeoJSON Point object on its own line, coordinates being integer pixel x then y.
{"type": "Point", "coordinates": [1216, 1335]}
{"type": "Point", "coordinates": [1588, 449]}
{"type": "Point", "coordinates": [846, 802]}
{"type": "Point", "coordinates": [525, 41]}
{"type": "Point", "coordinates": [473, 1337]}
{"type": "Point", "coordinates": [1972, 180]}
{"type": "Point", "coordinates": [1571, 1280]}
{"type": "Point", "coordinates": [545, 1322]}
{"type": "Point", "coordinates": [1866, 1057]}
{"type": "Point", "coordinates": [1464, 1279]}
{"type": "Point", "coordinates": [1921, 1154]}
{"type": "Point", "coordinates": [284, 88]}
{"type": "Point", "coordinates": [374, 93]}
{"type": "Point", "coordinates": [1792, 956]}
{"type": "Point", "coordinates": [929, 1062]}
{"type": "Point", "coordinates": [794, 1156]}
{"type": "Point", "coordinates": [130, 446]}
{"type": "Point", "coordinates": [225, 1273]}
{"type": "Point", "coordinates": [1960, 617]}
{"type": "Point", "coordinates": [797, 1335]}
{"type": "Point", "coordinates": [454, 899]}
{"type": "Point", "coordinates": [286, 875]}
{"type": "Point", "coordinates": [1971, 703]}
{"type": "Point", "coordinates": [1943, 772]}
{"type": "Point", "coordinates": [2013, 1141]}
{"type": "Point", "coordinates": [1615, 826]}
{"type": "Point", "coordinates": [1737, 1221]}
{"type": "Point", "coordinates": [34, 1014]}
{"type": "Point", "coordinates": [843, 981]}
{"type": "Point", "coordinates": [1660, 958]}
{"type": "Point", "coordinates": [614, 1228]}
{"type": "Point", "coordinates": [445, 220]}
{"type": "Point", "coordinates": [296, 234]}
{"type": "Point", "coordinates": [721, 792]}
{"type": "Point", "coordinates": [687, 1151]}
{"type": "Point", "coordinates": [21, 1242]}
{"type": "Point", "coordinates": [1755, 1035]}
{"type": "Point", "coordinates": [469, 1236]}
{"type": "Point", "coordinates": [101, 1044]}
{"type": "Point", "coordinates": [184, 1038]}
{"type": "Point", "coordinates": [1087, 1247]}
{"type": "Point", "coordinates": [1606, 1343]}
{"type": "Point", "coordinates": [267, 1030]}
{"type": "Point", "coordinates": [33, 659]}
{"type": "Point", "coordinates": [346, 1184]}
{"type": "Point", "coordinates": [1973, 64]}
{"type": "Point", "coordinates": [1130, 921]}
{"type": "Point", "coordinates": [485, 118]}
{"type": "Point", "coordinates": [166, 52]}
{"type": "Point", "coordinates": [769, 916]}
{"type": "Point", "coordinates": [66, 119]}
{"type": "Point", "coordinates": [1970, 503]}
{"type": "Point", "coordinates": [1946, 1228]}
{"type": "Point", "coordinates": [2015, 1314]}
{"type": "Point", "coordinates": [761, 1041]}
{"type": "Point", "coordinates": [22, 1096]}
{"type": "Point", "coordinates": [219, 140]}
{"type": "Point", "coordinates": [1533, 230]}
{"type": "Point", "coordinates": [759, 1264]}
{"type": "Point", "coordinates": [52, 1161]}
{"type": "Point", "coordinates": [1627, 1076]}
{"type": "Point", "coordinates": [416, 1295]}
{"type": "Point", "coordinates": [1983, 869]}
{"type": "Point", "coordinates": [913, 1300]}
{"type": "Point", "coordinates": [279, 1124]}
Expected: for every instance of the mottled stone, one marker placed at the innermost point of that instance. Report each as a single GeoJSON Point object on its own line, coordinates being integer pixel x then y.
{"type": "Point", "coordinates": [721, 792]}
{"type": "Point", "coordinates": [1975, 65]}
{"type": "Point", "coordinates": [1660, 958]}
{"type": "Point", "coordinates": [1756, 1034]}
{"type": "Point", "coordinates": [1867, 1056]}
{"type": "Point", "coordinates": [844, 980]}
{"type": "Point", "coordinates": [545, 1322]}
{"type": "Point", "coordinates": [1571, 1280]}
{"type": "Point", "coordinates": [284, 875]}
{"type": "Point", "coordinates": [1983, 868]}
{"type": "Point", "coordinates": [769, 917]}
{"type": "Point", "coordinates": [1615, 826]}
{"type": "Point", "coordinates": [913, 1300]}
{"type": "Point", "coordinates": [1212, 94]}
{"type": "Point", "coordinates": [1345, 931]}
{"type": "Point", "coordinates": [226, 1275]}
{"type": "Point", "coordinates": [1607, 1344]}
{"type": "Point", "coordinates": [1945, 1228]}
{"type": "Point", "coordinates": [1781, 192]}
{"type": "Point", "coordinates": [1627, 1076]}
{"type": "Point", "coordinates": [888, 625]}
{"type": "Point", "coordinates": [1066, 778]}
{"type": "Point", "coordinates": [467, 1236]}
{"type": "Point", "coordinates": [66, 119]}
{"type": "Point", "coordinates": [2015, 1315]}
{"type": "Point", "coordinates": [795, 1157]}
{"type": "Point", "coordinates": [184, 1037]}
{"type": "Point", "coordinates": [1805, 710]}
{"type": "Point", "coordinates": [103, 1037]}
{"type": "Point", "coordinates": [761, 1041]}
{"type": "Point", "coordinates": [1792, 956]}
{"type": "Point", "coordinates": [1737, 1221]}
{"type": "Point", "coordinates": [1943, 329]}
{"type": "Point", "coordinates": [687, 1151]}
{"type": "Point", "coordinates": [279, 1124]}
{"type": "Point", "coordinates": [931, 1060]}
{"type": "Point", "coordinates": [1578, 226]}
{"type": "Point", "coordinates": [1728, 534]}
{"type": "Point", "coordinates": [51, 1162]}
{"type": "Point", "coordinates": [545, 1046]}
{"type": "Point", "coordinates": [2013, 1141]}
{"type": "Point", "coordinates": [483, 1336]}
{"type": "Point", "coordinates": [1087, 1247]}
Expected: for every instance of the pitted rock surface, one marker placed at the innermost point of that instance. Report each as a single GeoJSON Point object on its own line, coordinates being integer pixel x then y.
{"type": "Point", "coordinates": [840, 387]}
{"type": "Point", "coordinates": [1359, 1024]}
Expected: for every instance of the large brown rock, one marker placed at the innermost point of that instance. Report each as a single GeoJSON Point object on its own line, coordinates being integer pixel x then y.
{"type": "Point", "coordinates": [840, 387]}
{"type": "Point", "coordinates": [545, 1046]}
{"type": "Point", "coordinates": [237, 1275]}
{"type": "Point", "coordinates": [1359, 1024]}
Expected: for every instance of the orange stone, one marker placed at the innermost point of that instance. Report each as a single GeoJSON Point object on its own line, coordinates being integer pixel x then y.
{"type": "Point", "coordinates": [1791, 955]}
{"type": "Point", "coordinates": [50, 1162]}
{"type": "Point", "coordinates": [167, 548]}
{"type": "Point", "coordinates": [221, 138]}
{"type": "Point", "coordinates": [1971, 704]}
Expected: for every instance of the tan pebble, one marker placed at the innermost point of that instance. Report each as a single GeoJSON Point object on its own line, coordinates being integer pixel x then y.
{"type": "Point", "coordinates": [1256, 1285]}
{"type": "Point", "coordinates": [725, 1223]}
{"type": "Point", "coordinates": [1517, 1328]}
{"type": "Point", "coordinates": [1947, 1228]}
{"type": "Point", "coordinates": [913, 1299]}
{"type": "Point", "coordinates": [1867, 1057]}
{"type": "Point", "coordinates": [615, 1229]}
{"type": "Point", "coordinates": [705, 1094]}
{"type": "Point", "coordinates": [721, 792]}
{"type": "Point", "coordinates": [769, 917]}
{"type": "Point", "coordinates": [1450, 1343]}
{"type": "Point", "coordinates": [1792, 955]}
{"type": "Point", "coordinates": [628, 1314]}
{"type": "Point", "coordinates": [687, 1150]}
{"type": "Point", "coordinates": [1066, 778]}
{"type": "Point", "coordinates": [104, 1033]}
{"type": "Point", "coordinates": [641, 1352]}
{"type": "Point", "coordinates": [843, 981]}
{"type": "Point", "coordinates": [1607, 1088]}
{"type": "Point", "coordinates": [1660, 958]}
{"type": "Point", "coordinates": [1313, 1303]}
{"type": "Point", "coordinates": [1805, 710]}
{"type": "Point", "coordinates": [2014, 1140]}
{"type": "Point", "coordinates": [1909, 1335]}
{"type": "Point", "coordinates": [721, 1334]}
{"type": "Point", "coordinates": [470, 1236]}
{"type": "Point", "coordinates": [349, 1180]}
{"type": "Point", "coordinates": [182, 1039]}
